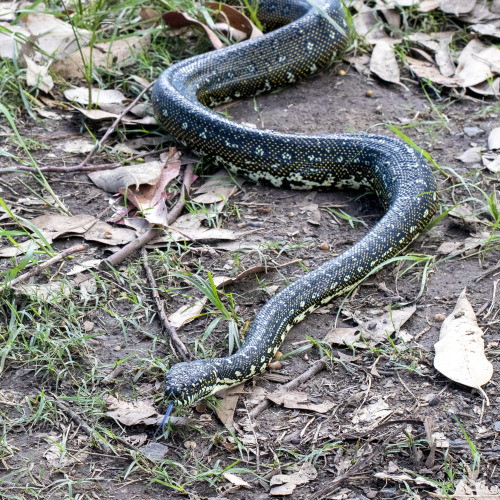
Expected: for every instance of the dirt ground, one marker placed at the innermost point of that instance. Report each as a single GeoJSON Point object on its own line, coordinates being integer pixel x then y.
{"type": "Point", "coordinates": [353, 451]}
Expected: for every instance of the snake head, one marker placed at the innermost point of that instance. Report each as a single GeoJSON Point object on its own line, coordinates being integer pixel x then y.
{"type": "Point", "coordinates": [187, 383]}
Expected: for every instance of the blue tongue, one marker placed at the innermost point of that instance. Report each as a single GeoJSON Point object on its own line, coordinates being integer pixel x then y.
{"type": "Point", "coordinates": [164, 420]}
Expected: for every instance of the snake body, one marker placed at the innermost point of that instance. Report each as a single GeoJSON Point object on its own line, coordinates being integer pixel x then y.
{"type": "Point", "coordinates": [305, 42]}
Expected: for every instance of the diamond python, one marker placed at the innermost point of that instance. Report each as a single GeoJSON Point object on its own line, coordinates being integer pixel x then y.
{"type": "Point", "coordinates": [306, 40]}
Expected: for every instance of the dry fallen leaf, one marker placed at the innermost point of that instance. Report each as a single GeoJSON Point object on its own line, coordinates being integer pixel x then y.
{"type": "Point", "coordinates": [429, 71]}
{"type": "Point", "coordinates": [11, 40]}
{"type": "Point", "coordinates": [285, 484]}
{"type": "Point", "coordinates": [347, 336]}
{"type": "Point", "coordinates": [98, 96]}
{"type": "Point", "coordinates": [457, 7]}
{"type": "Point", "coordinates": [460, 349]}
{"type": "Point", "coordinates": [371, 413]}
{"type": "Point", "coordinates": [219, 187]}
{"type": "Point", "coordinates": [227, 405]}
{"type": "Point", "coordinates": [383, 62]}
{"type": "Point", "coordinates": [494, 139]}
{"type": "Point", "coordinates": [236, 480]}
{"type": "Point", "coordinates": [38, 76]}
{"type": "Point", "coordinates": [181, 19]}
{"type": "Point", "coordinates": [233, 22]}
{"type": "Point", "coordinates": [367, 25]}
{"type": "Point", "coordinates": [377, 330]}
{"type": "Point", "coordinates": [187, 313]}
{"type": "Point", "coordinates": [132, 413]}
{"type": "Point", "coordinates": [298, 401]}
{"type": "Point", "coordinates": [477, 63]}
{"type": "Point", "coordinates": [149, 198]}
{"type": "Point", "coordinates": [111, 55]}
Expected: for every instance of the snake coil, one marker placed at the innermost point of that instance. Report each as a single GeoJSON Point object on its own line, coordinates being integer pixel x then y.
{"type": "Point", "coordinates": [306, 41]}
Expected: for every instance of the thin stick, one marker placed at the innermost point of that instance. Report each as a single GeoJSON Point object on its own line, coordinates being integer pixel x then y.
{"type": "Point", "coordinates": [88, 430]}
{"type": "Point", "coordinates": [38, 269]}
{"type": "Point", "coordinates": [183, 351]}
{"type": "Point", "coordinates": [130, 248]}
{"type": "Point", "coordinates": [309, 373]}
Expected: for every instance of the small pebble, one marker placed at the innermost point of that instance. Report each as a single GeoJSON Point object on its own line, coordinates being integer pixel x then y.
{"type": "Point", "coordinates": [496, 426]}
{"type": "Point", "coordinates": [278, 355]}
{"type": "Point", "coordinates": [372, 325]}
{"type": "Point", "coordinates": [324, 246]}
{"type": "Point", "coordinates": [201, 408]}
{"type": "Point", "coordinates": [369, 93]}
{"type": "Point", "coordinates": [118, 348]}
{"type": "Point", "coordinates": [434, 400]}
{"type": "Point", "coordinates": [473, 131]}
{"type": "Point", "coordinates": [275, 365]}
{"type": "Point", "coordinates": [341, 72]}
{"type": "Point", "coordinates": [291, 214]}
{"type": "Point", "coordinates": [440, 317]}
{"type": "Point", "coordinates": [190, 445]}
{"type": "Point", "coordinates": [108, 235]}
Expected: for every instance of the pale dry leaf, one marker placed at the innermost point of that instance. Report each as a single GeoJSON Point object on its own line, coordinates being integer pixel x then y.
{"type": "Point", "coordinates": [76, 146]}
{"type": "Point", "coordinates": [298, 401]}
{"type": "Point", "coordinates": [58, 457]}
{"type": "Point", "coordinates": [38, 76]}
{"type": "Point", "coordinates": [347, 336]}
{"type": "Point", "coordinates": [129, 413]}
{"type": "Point", "coordinates": [236, 480]}
{"type": "Point", "coordinates": [282, 490]}
{"type": "Point", "coordinates": [457, 7]}
{"type": "Point", "coordinates": [448, 247]}
{"type": "Point", "coordinates": [477, 63]}
{"type": "Point", "coordinates": [285, 484]}
{"type": "Point", "coordinates": [428, 5]}
{"type": "Point", "coordinates": [187, 313]}
{"type": "Point", "coordinates": [367, 25]}
{"type": "Point", "coordinates": [101, 115]}
{"type": "Point", "coordinates": [238, 26]}
{"type": "Point", "coordinates": [404, 478]}
{"type": "Point", "coordinates": [429, 71]}
{"type": "Point", "coordinates": [48, 292]}
{"type": "Point", "coordinates": [463, 211]}
{"type": "Point", "coordinates": [55, 36]}
{"type": "Point", "coordinates": [201, 234]}
{"type": "Point", "coordinates": [480, 13]}
{"type": "Point", "coordinates": [219, 187]}
{"type": "Point", "coordinates": [472, 155]}
{"type": "Point", "coordinates": [383, 62]}
{"type": "Point", "coordinates": [488, 29]}
{"type": "Point", "coordinates": [377, 330]}
{"type": "Point", "coordinates": [109, 235]}
{"type": "Point", "coordinates": [11, 40]}
{"type": "Point", "coordinates": [460, 350]}
{"type": "Point", "coordinates": [98, 96]}
{"type": "Point", "coordinates": [130, 176]}
{"type": "Point", "coordinates": [488, 88]}
{"type": "Point", "coordinates": [372, 413]}
{"type": "Point", "coordinates": [494, 139]}
{"type": "Point", "coordinates": [111, 55]}
{"type": "Point", "coordinates": [8, 10]}
{"type": "Point", "coordinates": [150, 199]}
{"type": "Point", "coordinates": [492, 166]}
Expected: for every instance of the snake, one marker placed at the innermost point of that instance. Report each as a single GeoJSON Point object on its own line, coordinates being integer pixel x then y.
{"type": "Point", "coordinates": [305, 38]}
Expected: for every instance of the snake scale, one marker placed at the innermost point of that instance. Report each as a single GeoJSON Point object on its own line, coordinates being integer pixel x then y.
{"type": "Point", "coordinates": [305, 41]}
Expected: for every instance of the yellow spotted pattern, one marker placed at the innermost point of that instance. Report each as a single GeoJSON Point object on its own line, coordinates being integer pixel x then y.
{"type": "Point", "coordinates": [397, 172]}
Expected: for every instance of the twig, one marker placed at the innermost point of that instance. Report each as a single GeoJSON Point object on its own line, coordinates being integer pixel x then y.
{"type": "Point", "coordinates": [134, 245]}
{"type": "Point", "coordinates": [89, 431]}
{"type": "Point", "coordinates": [309, 373]}
{"type": "Point", "coordinates": [38, 269]}
{"type": "Point", "coordinates": [85, 168]}
{"type": "Point", "coordinates": [171, 331]}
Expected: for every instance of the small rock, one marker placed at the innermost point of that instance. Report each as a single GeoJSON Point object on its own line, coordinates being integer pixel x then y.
{"type": "Point", "coordinates": [369, 93]}
{"type": "Point", "coordinates": [434, 400]}
{"type": "Point", "coordinates": [440, 317]}
{"type": "Point", "coordinates": [154, 451]}
{"type": "Point", "coordinates": [471, 155]}
{"type": "Point", "coordinates": [473, 131]}
{"type": "Point", "coordinates": [117, 348]}
{"type": "Point", "coordinates": [372, 325]}
{"type": "Point", "coordinates": [275, 365]}
{"type": "Point", "coordinates": [324, 246]}
{"type": "Point", "coordinates": [496, 426]}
